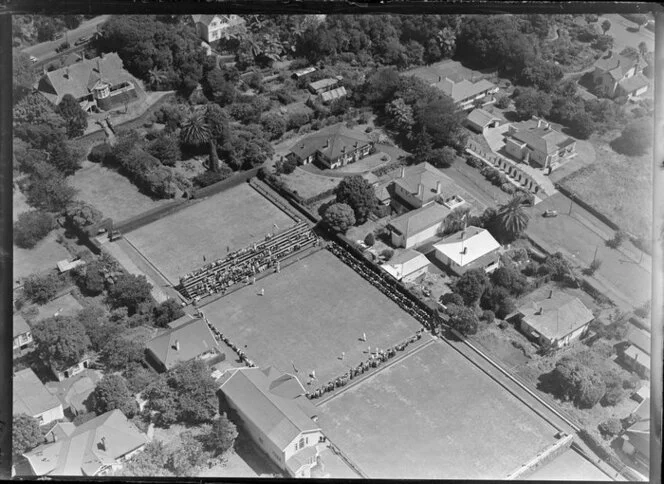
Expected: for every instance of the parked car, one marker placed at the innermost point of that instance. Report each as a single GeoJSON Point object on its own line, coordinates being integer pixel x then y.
{"type": "Point", "coordinates": [550, 213]}
{"type": "Point", "coordinates": [81, 40]}
{"type": "Point", "coordinates": [33, 59]}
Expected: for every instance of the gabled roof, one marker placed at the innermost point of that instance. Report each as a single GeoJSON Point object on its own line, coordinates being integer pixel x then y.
{"type": "Point", "coordinates": [323, 83]}
{"type": "Point", "coordinates": [30, 396]}
{"type": "Point", "coordinates": [73, 391]}
{"type": "Point", "coordinates": [207, 19]}
{"type": "Point", "coordinates": [634, 83]}
{"type": "Point", "coordinates": [79, 79]}
{"type": "Point", "coordinates": [464, 89]}
{"type": "Point", "coordinates": [333, 94]}
{"type": "Point", "coordinates": [428, 176]}
{"type": "Point", "coordinates": [83, 453]}
{"type": "Point", "coordinates": [331, 141]}
{"type": "Point", "coordinates": [639, 338]}
{"type": "Point", "coordinates": [638, 355]}
{"type": "Point", "coordinates": [619, 64]}
{"type": "Point", "coordinates": [416, 221]}
{"type": "Point", "coordinates": [481, 118]}
{"type": "Point", "coordinates": [542, 139]}
{"type": "Point", "coordinates": [639, 436]}
{"type": "Point", "coordinates": [405, 263]}
{"type": "Point", "coordinates": [193, 338]}
{"type": "Point", "coordinates": [561, 314]}
{"type": "Point", "coordinates": [20, 325]}
{"type": "Point", "coordinates": [476, 241]}
{"type": "Point", "coordinates": [272, 410]}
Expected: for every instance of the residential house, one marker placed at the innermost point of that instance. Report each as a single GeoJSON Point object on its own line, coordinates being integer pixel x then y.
{"type": "Point", "coordinates": [63, 373]}
{"type": "Point", "coordinates": [637, 354]}
{"type": "Point", "coordinates": [303, 72]}
{"type": "Point", "coordinates": [421, 184]}
{"type": "Point", "coordinates": [472, 248]}
{"type": "Point", "coordinates": [211, 28]}
{"type": "Point", "coordinates": [557, 320]}
{"type": "Point", "coordinates": [332, 147]}
{"type": "Point", "coordinates": [407, 266]}
{"type": "Point", "coordinates": [97, 447]}
{"type": "Point", "coordinates": [464, 93]}
{"type": "Point", "coordinates": [32, 398]}
{"type": "Point", "coordinates": [332, 95]}
{"type": "Point", "coordinates": [23, 339]}
{"type": "Point", "coordinates": [74, 391]}
{"type": "Point", "coordinates": [189, 339]}
{"type": "Point", "coordinates": [536, 142]}
{"type": "Point", "coordinates": [322, 85]}
{"type": "Point", "coordinates": [636, 439]}
{"type": "Point", "coordinates": [98, 84]}
{"type": "Point", "coordinates": [620, 75]}
{"type": "Point", "coordinates": [418, 226]}
{"type": "Point", "coordinates": [275, 412]}
{"type": "Point", "coordinates": [480, 120]}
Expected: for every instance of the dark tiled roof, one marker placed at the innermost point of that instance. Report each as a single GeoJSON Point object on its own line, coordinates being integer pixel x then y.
{"type": "Point", "coordinates": [338, 139]}
{"type": "Point", "coordinates": [194, 339]}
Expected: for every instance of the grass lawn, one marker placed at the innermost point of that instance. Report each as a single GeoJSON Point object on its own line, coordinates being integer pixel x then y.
{"type": "Point", "coordinates": [111, 192]}
{"type": "Point", "coordinates": [312, 311]}
{"type": "Point", "coordinates": [309, 184]}
{"type": "Point", "coordinates": [617, 186]}
{"type": "Point", "coordinates": [570, 466]}
{"type": "Point", "coordinates": [43, 257]}
{"type": "Point", "coordinates": [234, 218]}
{"type": "Point", "coordinates": [369, 163]}
{"type": "Point", "coordinates": [65, 305]}
{"type": "Point", "coordinates": [434, 415]}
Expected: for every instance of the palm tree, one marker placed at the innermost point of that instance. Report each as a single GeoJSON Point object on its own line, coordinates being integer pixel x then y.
{"type": "Point", "coordinates": [196, 132]}
{"type": "Point", "coordinates": [512, 217]}
{"type": "Point", "coordinates": [156, 77]}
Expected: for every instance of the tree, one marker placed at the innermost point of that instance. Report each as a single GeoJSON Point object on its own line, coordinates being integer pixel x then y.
{"type": "Point", "coordinates": [471, 285]}
{"type": "Point", "coordinates": [592, 268]}
{"type": "Point", "coordinates": [26, 434]}
{"type": "Point", "coordinates": [196, 132]}
{"type": "Point", "coordinates": [80, 214]}
{"type": "Point", "coordinates": [75, 118]}
{"type": "Point", "coordinates": [46, 29]}
{"type": "Point", "coordinates": [542, 74]}
{"type": "Point", "coordinates": [603, 42]}
{"type": "Point", "coordinates": [370, 240]}
{"type": "Point", "coordinates": [423, 151]}
{"type": "Point", "coordinates": [167, 311]}
{"type": "Point", "coordinates": [509, 277]}
{"type": "Point", "coordinates": [457, 220]}
{"type": "Point", "coordinates": [606, 26]}
{"type": "Point", "coordinates": [590, 389]}
{"type": "Point", "coordinates": [48, 189]}
{"type": "Point", "coordinates": [189, 456]}
{"type": "Point", "coordinates": [273, 124]}
{"type": "Point", "coordinates": [462, 319]}
{"type": "Point", "coordinates": [582, 125]}
{"type": "Point", "coordinates": [150, 463]}
{"type": "Point", "coordinates": [530, 102]}
{"type": "Point", "coordinates": [129, 291]}
{"type": "Point", "coordinates": [92, 280]}
{"type": "Point", "coordinates": [400, 116]}
{"type": "Point", "coordinates": [23, 75]}
{"type": "Point", "coordinates": [166, 149]}
{"type": "Point", "coordinates": [635, 139]}
{"type": "Point", "coordinates": [643, 49]}
{"type": "Point", "coordinates": [512, 217]}
{"type": "Point", "coordinates": [572, 380]}
{"type": "Point", "coordinates": [119, 352]}
{"type": "Point", "coordinates": [31, 227]}
{"type": "Point", "coordinates": [339, 217]}
{"type": "Point", "coordinates": [443, 157]}
{"type": "Point", "coordinates": [610, 427]}
{"type": "Point", "coordinates": [41, 289]}
{"type": "Point", "coordinates": [498, 300]}
{"type": "Point", "coordinates": [221, 436]}
{"type": "Point", "coordinates": [451, 298]}
{"type": "Point", "coordinates": [61, 341]}
{"type": "Point", "coordinates": [111, 393]}
{"type": "Point", "coordinates": [356, 192]}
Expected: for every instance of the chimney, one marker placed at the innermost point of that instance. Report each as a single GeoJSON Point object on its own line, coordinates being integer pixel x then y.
{"type": "Point", "coordinates": [403, 172]}
{"type": "Point", "coordinates": [550, 294]}
{"type": "Point", "coordinates": [420, 190]}
{"type": "Point", "coordinates": [67, 72]}
{"type": "Point", "coordinates": [103, 443]}
{"type": "Point", "coordinates": [465, 250]}
{"type": "Point", "coordinates": [540, 311]}
{"type": "Point", "coordinates": [327, 143]}
{"type": "Point", "coordinates": [176, 345]}
{"type": "Point", "coordinates": [539, 123]}
{"type": "Point", "coordinates": [440, 78]}
{"type": "Point", "coordinates": [438, 187]}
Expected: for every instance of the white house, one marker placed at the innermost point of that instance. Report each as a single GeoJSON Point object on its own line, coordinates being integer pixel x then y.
{"type": "Point", "coordinates": [407, 266]}
{"type": "Point", "coordinates": [468, 249]}
{"type": "Point", "coordinates": [480, 120]}
{"type": "Point", "coordinates": [23, 339]}
{"type": "Point", "coordinates": [620, 75]}
{"type": "Point", "coordinates": [418, 226]}
{"type": "Point", "coordinates": [277, 415]}
{"type": "Point", "coordinates": [211, 28]}
{"type": "Point", "coordinates": [539, 144]}
{"type": "Point", "coordinates": [32, 398]}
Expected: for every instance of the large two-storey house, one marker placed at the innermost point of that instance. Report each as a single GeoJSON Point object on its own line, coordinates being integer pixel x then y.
{"type": "Point", "coordinates": [620, 75]}
{"type": "Point", "coordinates": [536, 142]}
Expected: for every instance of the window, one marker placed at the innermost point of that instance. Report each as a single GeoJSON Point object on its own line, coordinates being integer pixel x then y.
{"type": "Point", "coordinates": [302, 443]}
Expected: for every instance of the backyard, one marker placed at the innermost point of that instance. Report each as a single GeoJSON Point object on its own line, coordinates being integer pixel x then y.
{"type": "Point", "coordinates": [308, 184]}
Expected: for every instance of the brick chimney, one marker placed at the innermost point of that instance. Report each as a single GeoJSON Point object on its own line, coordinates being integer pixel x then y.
{"type": "Point", "coordinates": [438, 187]}
{"type": "Point", "coordinates": [403, 172]}
{"type": "Point", "coordinates": [550, 294]}
{"type": "Point", "coordinates": [102, 443]}
{"type": "Point", "coordinates": [327, 143]}
{"type": "Point", "coordinates": [176, 345]}
{"type": "Point", "coordinates": [465, 250]}
{"type": "Point", "coordinates": [540, 311]}
{"type": "Point", "coordinates": [420, 190]}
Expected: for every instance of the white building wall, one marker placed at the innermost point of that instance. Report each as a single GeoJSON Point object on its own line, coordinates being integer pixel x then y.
{"type": "Point", "coordinates": [423, 235]}
{"type": "Point", "coordinates": [49, 416]}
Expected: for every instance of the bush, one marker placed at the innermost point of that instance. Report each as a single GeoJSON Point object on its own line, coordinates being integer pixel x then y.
{"type": "Point", "coordinates": [488, 316]}
{"type": "Point", "coordinates": [99, 152]}
{"type": "Point", "coordinates": [474, 162]}
{"type": "Point", "coordinates": [508, 188]}
{"type": "Point", "coordinates": [617, 239]}
{"type": "Point", "coordinates": [610, 427]}
{"type": "Point", "coordinates": [370, 240]}
{"type": "Point", "coordinates": [41, 289]}
{"type": "Point", "coordinates": [387, 254]}
{"type": "Point", "coordinates": [211, 177]}
{"type": "Point", "coordinates": [635, 139]}
{"type": "Point", "coordinates": [31, 227]}
{"type": "Point", "coordinates": [166, 149]}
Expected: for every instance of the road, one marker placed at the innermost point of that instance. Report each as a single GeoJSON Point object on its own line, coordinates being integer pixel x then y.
{"type": "Point", "coordinates": [46, 50]}
{"type": "Point", "coordinates": [622, 37]}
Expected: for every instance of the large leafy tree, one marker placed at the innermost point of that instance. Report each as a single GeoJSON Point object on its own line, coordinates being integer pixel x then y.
{"type": "Point", "coordinates": [80, 214]}
{"type": "Point", "coordinates": [635, 139]}
{"type": "Point", "coordinates": [111, 393]}
{"type": "Point", "coordinates": [26, 434]}
{"type": "Point", "coordinates": [530, 102]}
{"type": "Point", "coordinates": [23, 74]}
{"type": "Point", "coordinates": [189, 457]}
{"type": "Point", "coordinates": [462, 319]}
{"type": "Point", "coordinates": [75, 118]}
{"type": "Point", "coordinates": [167, 311]}
{"type": "Point", "coordinates": [31, 227]}
{"type": "Point", "coordinates": [356, 192]}
{"type": "Point", "coordinates": [150, 463]}
{"type": "Point", "coordinates": [48, 189]}
{"type": "Point", "coordinates": [120, 352]}
{"type": "Point", "coordinates": [512, 217]}
{"type": "Point", "coordinates": [471, 285]}
{"type": "Point", "coordinates": [221, 436]}
{"type": "Point", "coordinates": [129, 291]}
{"type": "Point", "coordinates": [61, 341]}
{"type": "Point", "coordinates": [339, 217]}
{"type": "Point", "coordinates": [41, 289]}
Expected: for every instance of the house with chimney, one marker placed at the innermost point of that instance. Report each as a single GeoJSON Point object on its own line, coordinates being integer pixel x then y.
{"type": "Point", "coordinates": [407, 266]}
{"type": "Point", "coordinates": [471, 248]}
{"type": "Point", "coordinates": [620, 75]}
{"type": "Point", "coordinates": [331, 147]}
{"type": "Point", "coordinates": [211, 28]}
{"type": "Point", "coordinates": [555, 320]}
{"type": "Point", "coordinates": [273, 409]}
{"type": "Point", "coordinates": [97, 447]}
{"type": "Point", "coordinates": [480, 120]}
{"type": "Point", "coordinates": [185, 340]}
{"type": "Point", "coordinates": [636, 355]}
{"type": "Point", "coordinates": [30, 396]}
{"type": "Point", "coordinates": [537, 143]}
{"type": "Point", "coordinates": [98, 84]}
{"type": "Point", "coordinates": [62, 373]}
{"type": "Point", "coordinates": [421, 184]}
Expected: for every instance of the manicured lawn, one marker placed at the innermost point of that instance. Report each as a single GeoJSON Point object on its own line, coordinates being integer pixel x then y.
{"type": "Point", "coordinates": [309, 184]}
{"type": "Point", "coordinates": [312, 311]}
{"type": "Point", "coordinates": [234, 218]}
{"type": "Point", "coordinates": [617, 186]}
{"type": "Point", "coordinates": [433, 415]}
{"type": "Point", "coordinates": [111, 192]}
{"type": "Point", "coordinates": [43, 257]}
{"type": "Point", "coordinates": [65, 305]}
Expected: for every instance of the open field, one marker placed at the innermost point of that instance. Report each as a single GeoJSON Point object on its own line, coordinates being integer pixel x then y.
{"type": "Point", "coordinates": [111, 192]}
{"type": "Point", "coordinates": [617, 186]}
{"type": "Point", "coordinates": [311, 312]}
{"type": "Point", "coordinates": [232, 219]}
{"type": "Point", "coordinates": [43, 257]}
{"type": "Point", "coordinates": [309, 184]}
{"type": "Point", "coordinates": [65, 305]}
{"type": "Point", "coordinates": [433, 415]}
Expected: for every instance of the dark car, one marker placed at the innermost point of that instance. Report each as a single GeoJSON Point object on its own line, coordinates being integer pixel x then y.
{"type": "Point", "coordinates": [82, 40]}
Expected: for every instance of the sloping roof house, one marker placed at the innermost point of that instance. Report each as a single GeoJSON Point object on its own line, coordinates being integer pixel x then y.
{"type": "Point", "coordinates": [407, 266]}
{"type": "Point", "coordinates": [620, 75]}
{"type": "Point", "coordinates": [414, 227]}
{"type": "Point", "coordinates": [333, 94]}
{"type": "Point", "coordinates": [332, 147]}
{"type": "Point", "coordinates": [31, 397]}
{"type": "Point", "coordinates": [479, 120]}
{"type": "Point", "coordinates": [323, 85]}
{"type": "Point", "coordinates": [471, 248]}
{"type": "Point", "coordinates": [423, 183]}
{"type": "Point", "coordinates": [211, 27]}
{"type": "Point", "coordinates": [22, 334]}
{"type": "Point", "coordinates": [276, 413]}
{"type": "Point", "coordinates": [536, 141]}
{"type": "Point", "coordinates": [557, 320]}
{"type": "Point", "coordinates": [191, 339]}
{"type": "Point", "coordinates": [637, 354]}
{"type": "Point", "coordinates": [94, 448]}
{"type": "Point", "coordinates": [464, 92]}
{"type": "Point", "coordinates": [636, 439]}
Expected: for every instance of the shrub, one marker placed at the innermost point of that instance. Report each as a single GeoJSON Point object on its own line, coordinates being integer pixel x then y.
{"type": "Point", "coordinates": [211, 177]}
{"type": "Point", "coordinates": [474, 162]}
{"type": "Point", "coordinates": [99, 152]}
{"type": "Point", "coordinates": [451, 298]}
{"type": "Point", "coordinates": [502, 101]}
{"type": "Point", "coordinates": [370, 240]}
{"type": "Point", "coordinates": [617, 240]}
{"type": "Point", "coordinates": [508, 188]}
{"type": "Point", "coordinates": [41, 289]}
{"type": "Point", "coordinates": [387, 254]}
{"type": "Point", "coordinates": [610, 427]}
{"type": "Point", "coordinates": [643, 311]}
{"type": "Point", "coordinates": [31, 227]}
{"type": "Point", "coordinates": [166, 149]}
{"type": "Point", "coordinates": [488, 316]}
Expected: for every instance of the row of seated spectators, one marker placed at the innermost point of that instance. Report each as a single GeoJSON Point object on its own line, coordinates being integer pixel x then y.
{"type": "Point", "coordinates": [242, 265]}
{"type": "Point", "coordinates": [385, 284]}
{"type": "Point", "coordinates": [375, 359]}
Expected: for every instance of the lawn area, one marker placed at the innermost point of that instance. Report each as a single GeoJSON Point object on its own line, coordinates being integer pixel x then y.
{"type": "Point", "coordinates": [570, 466]}
{"type": "Point", "coordinates": [312, 311]}
{"type": "Point", "coordinates": [43, 257]}
{"type": "Point", "coordinates": [617, 186]}
{"type": "Point", "coordinates": [309, 184]}
{"type": "Point", "coordinates": [369, 163]}
{"type": "Point", "coordinates": [65, 305]}
{"type": "Point", "coordinates": [110, 192]}
{"type": "Point", "coordinates": [433, 415]}
{"type": "Point", "coordinates": [231, 219]}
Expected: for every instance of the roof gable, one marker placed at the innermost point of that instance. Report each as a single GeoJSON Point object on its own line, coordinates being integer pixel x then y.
{"type": "Point", "coordinates": [476, 242]}
{"type": "Point", "coordinates": [20, 325]}
{"type": "Point", "coordinates": [560, 315]}
{"type": "Point", "coordinates": [331, 142]}
{"type": "Point", "coordinates": [30, 396]}
{"type": "Point", "coordinates": [421, 219]}
{"type": "Point", "coordinates": [183, 343]}
{"type": "Point", "coordinates": [542, 139]}
{"type": "Point", "coordinates": [480, 117]}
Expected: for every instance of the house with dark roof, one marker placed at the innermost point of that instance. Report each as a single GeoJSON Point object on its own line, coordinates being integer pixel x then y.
{"type": "Point", "coordinates": [637, 353]}
{"type": "Point", "coordinates": [332, 95]}
{"type": "Point", "coordinates": [275, 412]}
{"type": "Point", "coordinates": [480, 120]}
{"type": "Point", "coordinates": [620, 75]}
{"type": "Point", "coordinates": [557, 320]}
{"type": "Point", "coordinates": [97, 84]}
{"type": "Point", "coordinates": [31, 397]}
{"type": "Point", "coordinates": [537, 143]}
{"type": "Point", "coordinates": [74, 391]}
{"type": "Point", "coordinates": [97, 447]}
{"type": "Point", "coordinates": [211, 28]}
{"type": "Point", "coordinates": [471, 248]}
{"type": "Point", "coordinates": [331, 147]}
{"type": "Point", "coordinates": [183, 342]}
{"type": "Point", "coordinates": [23, 340]}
